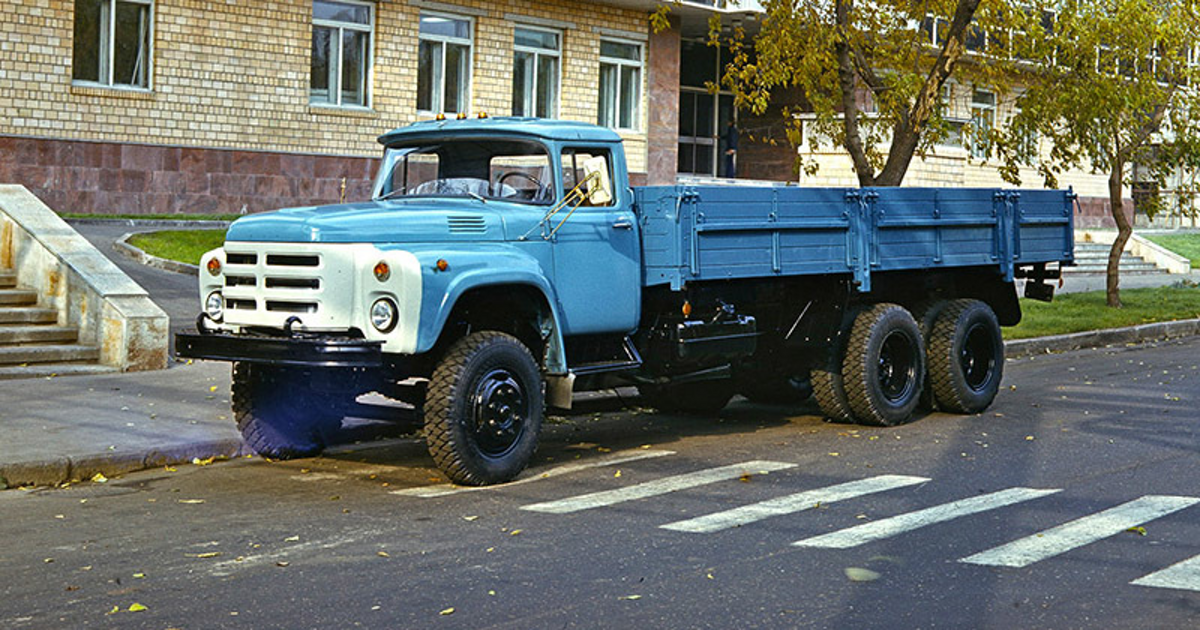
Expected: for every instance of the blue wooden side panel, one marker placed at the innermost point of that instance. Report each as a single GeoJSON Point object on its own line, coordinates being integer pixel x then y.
{"type": "Point", "coordinates": [728, 232]}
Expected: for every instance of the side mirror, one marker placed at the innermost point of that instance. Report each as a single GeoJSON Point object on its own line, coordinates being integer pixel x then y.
{"type": "Point", "coordinates": [599, 186]}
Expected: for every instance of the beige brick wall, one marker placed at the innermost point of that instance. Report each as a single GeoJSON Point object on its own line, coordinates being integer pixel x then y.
{"type": "Point", "coordinates": [235, 74]}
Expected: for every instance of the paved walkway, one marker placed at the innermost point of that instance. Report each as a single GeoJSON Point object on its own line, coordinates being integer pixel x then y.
{"type": "Point", "coordinates": [60, 429]}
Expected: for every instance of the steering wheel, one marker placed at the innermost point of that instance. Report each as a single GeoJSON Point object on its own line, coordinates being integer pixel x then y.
{"type": "Point", "coordinates": [541, 188]}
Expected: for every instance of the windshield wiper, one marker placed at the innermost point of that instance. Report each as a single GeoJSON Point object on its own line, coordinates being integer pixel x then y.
{"type": "Point", "coordinates": [477, 196]}
{"type": "Point", "coordinates": [395, 193]}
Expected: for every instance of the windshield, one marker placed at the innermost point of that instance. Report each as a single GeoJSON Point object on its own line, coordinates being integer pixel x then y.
{"type": "Point", "coordinates": [512, 170]}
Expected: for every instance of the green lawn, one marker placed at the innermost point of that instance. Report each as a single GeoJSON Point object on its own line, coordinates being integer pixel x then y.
{"type": "Point", "coordinates": [1077, 312]}
{"type": "Point", "coordinates": [1185, 244]}
{"type": "Point", "coordinates": [182, 245]}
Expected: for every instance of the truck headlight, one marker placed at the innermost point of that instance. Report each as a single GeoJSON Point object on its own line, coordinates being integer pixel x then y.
{"type": "Point", "coordinates": [214, 306]}
{"type": "Point", "coordinates": [383, 315]}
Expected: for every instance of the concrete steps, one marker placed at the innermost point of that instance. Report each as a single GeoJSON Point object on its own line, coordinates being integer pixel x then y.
{"type": "Point", "coordinates": [1092, 258]}
{"type": "Point", "coordinates": [32, 344]}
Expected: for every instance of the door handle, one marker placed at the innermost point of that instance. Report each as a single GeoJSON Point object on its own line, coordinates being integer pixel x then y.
{"type": "Point", "coordinates": [622, 223]}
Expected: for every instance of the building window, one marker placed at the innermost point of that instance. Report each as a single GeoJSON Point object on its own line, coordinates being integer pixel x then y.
{"type": "Point", "coordinates": [536, 54]}
{"type": "Point", "coordinates": [112, 42]}
{"type": "Point", "coordinates": [341, 53]}
{"type": "Point", "coordinates": [620, 84]}
{"type": "Point", "coordinates": [983, 118]}
{"type": "Point", "coordinates": [444, 64]}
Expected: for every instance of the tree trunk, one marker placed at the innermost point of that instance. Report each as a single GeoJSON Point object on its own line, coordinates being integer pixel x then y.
{"type": "Point", "coordinates": [1124, 230]}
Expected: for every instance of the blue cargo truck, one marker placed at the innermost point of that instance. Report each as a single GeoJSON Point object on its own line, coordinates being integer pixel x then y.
{"type": "Point", "coordinates": [505, 263]}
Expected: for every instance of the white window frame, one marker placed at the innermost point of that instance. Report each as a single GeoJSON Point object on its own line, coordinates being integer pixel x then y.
{"type": "Point", "coordinates": [336, 58]}
{"type": "Point", "coordinates": [640, 64]}
{"type": "Point", "coordinates": [439, 93]}
{"type": "Point", "coordinates": [542, 52]}
{"type": "Point", "coordinates": [107, 44]}
{"type": "Point", "coordinates": [980, 145]}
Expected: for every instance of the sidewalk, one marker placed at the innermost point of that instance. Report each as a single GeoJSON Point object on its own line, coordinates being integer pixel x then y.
{"type": "Point", "coordinates": [63, 429]}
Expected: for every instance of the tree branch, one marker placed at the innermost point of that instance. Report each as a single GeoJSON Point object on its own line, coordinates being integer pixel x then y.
{"type": "Point", "coordinates": [847, 80]}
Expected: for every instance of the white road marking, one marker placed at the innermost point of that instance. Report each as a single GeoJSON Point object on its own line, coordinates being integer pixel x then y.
{"type": "Point", "coordinates": [609, 459]}
{"type": "Point", "coordinates": [1183, 575]}
{"type": "Point", "coordinates": [791, 503]}
{"type": "Point", "coordinates": [1080, 532]}
{"type": "Point", "coordinates": [656, 487]}
{"type": "Point", "coordinates": [888, 527]}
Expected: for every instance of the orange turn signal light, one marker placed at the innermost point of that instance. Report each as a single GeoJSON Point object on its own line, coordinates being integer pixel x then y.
{"type": "Point", "coordinates": [461, 115]}
{"type": "Point", "coordinates": [214, 266]}
{"type": "Point", "coordinates": [382, 271]}
{"type": "Point", "coordinates": [687, 308]}
{"type": "Point", "coordinates": [483, 114]}
{"type": "Point", "coordinates": [440, 116]}
{"type": "Point", "coordinates": [442, 265]}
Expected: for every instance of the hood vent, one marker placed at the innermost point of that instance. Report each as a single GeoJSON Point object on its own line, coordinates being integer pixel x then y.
{"type": "Point", "coordinates": [467, 225]}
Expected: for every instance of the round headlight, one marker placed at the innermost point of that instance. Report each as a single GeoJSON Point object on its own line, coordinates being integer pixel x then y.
{"type": "Point", "coordinates": [214, 306]}
{"type": "Point", "coordinates": [383, 315]}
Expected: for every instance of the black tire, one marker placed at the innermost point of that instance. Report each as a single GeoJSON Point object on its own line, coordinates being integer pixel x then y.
{"type": "Point", "coordinates": [277, 418]}
{"type": "Point", "coordinates": [696, 397]}
{"type": "Point", "coordinates": [828, 387]}
{"type": "Point", "coordinates": [926, 313]}
{"type": "Point", "coordinates": [966, 357]}
{"type": "Point", "coordinates": [483, 410]}
{"type": "Point", "coordinates": [884, 365]}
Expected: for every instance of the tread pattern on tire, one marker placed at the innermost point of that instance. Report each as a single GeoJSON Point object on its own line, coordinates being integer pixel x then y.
{"type": "Point", "coordinates": [926, 312]}
{"type": "Point", "coordinates": [828, 387]}
{"type": "Point", "coordinates": [944, 370]}
{"type": "Point", "coordinates": [444, 389]}
{"type": "Point", "coordinates": [274, 438]}
{"type": "Point", "coordinates": [856, 375]}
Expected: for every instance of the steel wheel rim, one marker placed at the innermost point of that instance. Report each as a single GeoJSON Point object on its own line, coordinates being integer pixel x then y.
{"type": "Point", "coordinates": [500, 411]}
{"type": "Point", "coordinates": [897, 367]}
{"type": "Point", "coordinates": [977, 358]}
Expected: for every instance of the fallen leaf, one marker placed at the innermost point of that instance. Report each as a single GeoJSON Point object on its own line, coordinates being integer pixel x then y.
{"type": "Point", "coordinates": [601, 449]}
{"type": "Point", "coordinates": [745, 478]}
{"type": "Point", "coordinates": [630, 597]}
{"type": "Point", "coordinates": [136, 607]}
{"type": "Point", "coordinates": [191, 501]}
{"type": "Point", "coordinates": [291, 539]}
{"type": "Point", "coordinates": [170, 468]}
{"type": "Point", "coordinates": [1028, 438]}
{"type": "Point", "coordinates": [1139, 530]}
{"type": "Point", "coordinates": [213, 388]}
{"type": "Point", "coordinates": [207, 554]}
{"type": "Point", "coordinates": [834, 454]}
{"type": "Point", "coordinates": [709, 576]}
{"type": "Point", "coordinates": [196, 461]}
{"type": "Point", "coordinates": [139, 575]}
{"type": "Point", "coordinates": [617, 474]}
{"type": "Point", "coordinates": [99, 478]}
{"type": "Point", "coordinates": [115, 610]}
{"type": "Point", "coordinates": [514, 532]}
{"type": "Point", "coordinates": [470, 518]}
{"type": "Point", "coordinates": [859, 574]}
{"type": "Point", "coordinates": [448, 611]}
{"type": "Point", "coordinates": [282, 563]}
{"type": "Point", "coordinates": [382, 554]}
{"type": "Point", "coordinates": [490, 549]}
{"type": "Point", "coordinates": [644, 446]}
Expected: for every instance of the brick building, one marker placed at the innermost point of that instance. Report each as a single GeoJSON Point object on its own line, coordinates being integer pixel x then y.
{"type": "Point", "coordinates": [207, 106]}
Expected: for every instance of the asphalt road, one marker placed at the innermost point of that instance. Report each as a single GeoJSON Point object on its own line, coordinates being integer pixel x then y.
{"type": "Point", "coordinates": [1042, 496]}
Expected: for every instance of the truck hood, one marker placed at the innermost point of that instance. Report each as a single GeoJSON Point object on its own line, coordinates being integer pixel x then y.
{"type": "Point", "coordinates": [394, 221]}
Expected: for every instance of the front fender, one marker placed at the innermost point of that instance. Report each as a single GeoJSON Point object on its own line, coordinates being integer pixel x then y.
{"type": "Point", "coordinates": [482, 266]}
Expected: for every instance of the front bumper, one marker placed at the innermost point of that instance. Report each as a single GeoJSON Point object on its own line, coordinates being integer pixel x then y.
{"type": "Point", "coordinates": [298, 350]}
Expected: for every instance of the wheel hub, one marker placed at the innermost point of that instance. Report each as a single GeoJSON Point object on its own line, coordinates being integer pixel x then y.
{"type": "Point", "coordinates": [500, 410]}
{"type": "Point", "coordinates": [977, 357]}
{"type": "Point", "coordinates": [897, 367]}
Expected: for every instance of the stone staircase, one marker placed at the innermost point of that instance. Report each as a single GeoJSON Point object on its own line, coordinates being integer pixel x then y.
{"type": "Point", "coordinates": [1092, 258]}
{"type": "Point", "coordinates": [32, 344]}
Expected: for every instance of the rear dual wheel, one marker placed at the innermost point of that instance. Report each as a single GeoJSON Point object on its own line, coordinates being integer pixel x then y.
{"type": "Point", "coordinates": [965, 356]}
{"type": "Point", "coordinates": [884, 365]}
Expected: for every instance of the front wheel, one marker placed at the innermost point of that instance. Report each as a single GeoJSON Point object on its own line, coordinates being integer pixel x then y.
{"type": "Point", "coordinates": [884, 366]}
{"type": "Point", "coordinates": [277, 416]}
{"type": "Point", "coordinates": [483, 409]}
{"type": "Point", "coordinates": [966, 357]}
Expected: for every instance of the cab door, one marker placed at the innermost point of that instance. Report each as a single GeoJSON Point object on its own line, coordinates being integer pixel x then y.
{"type": "Point", "coordinates": [597, 258]}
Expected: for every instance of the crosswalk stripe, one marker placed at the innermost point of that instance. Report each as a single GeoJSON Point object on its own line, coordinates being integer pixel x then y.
{"type": "Point", "coordinates": [1079, 532]}
{"type": "Point", "coordinates": [655, 488]}
{"type": "Point", "coordinates": [888, 527]}
{"type": "Point", "coordinates": [791, 503]}
{"type": "Point", "coordinates": [1183, 575]}
{"type": "Point", "coordinates": [609, 459]}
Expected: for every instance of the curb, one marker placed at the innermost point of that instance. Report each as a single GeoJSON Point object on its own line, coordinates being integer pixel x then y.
{"type": "Point", "coordinates": [123, 247]}
{"type": "Point", "coordinates": [1101, 338]}
{"type": "Point", "coordinates": [60, 470]}
{"type": "Point", "coordinates": [176, 223]}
